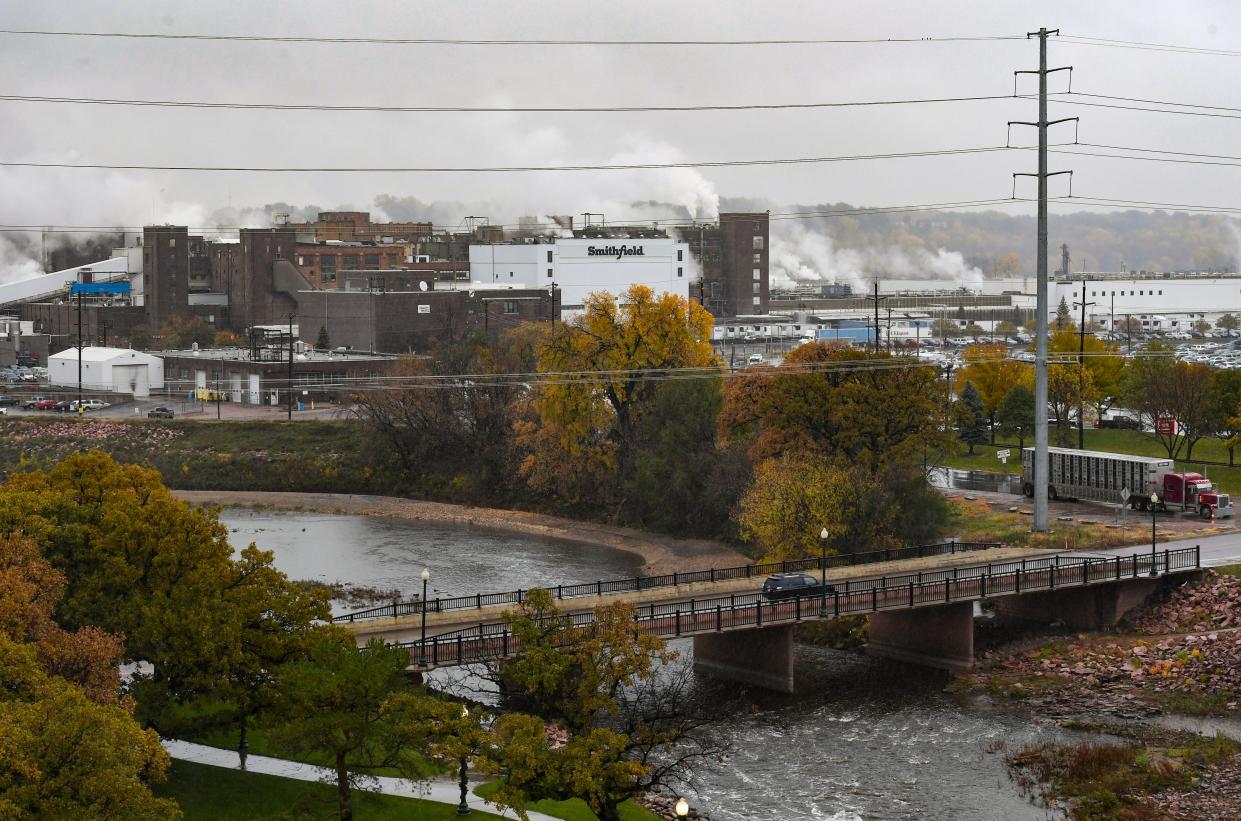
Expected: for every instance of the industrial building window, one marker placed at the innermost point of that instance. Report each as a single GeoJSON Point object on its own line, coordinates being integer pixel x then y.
{"type": "Point", "coordinates": [370, 260]}
{"type": "Point", "coordinates": [510, 307]}
{"type": "Point", "coordinates": [301, 260]}
{"type": "Point", "coordinates": [758, 259]}
{"type": "Point", "coordinates": [172, 242]}
{"type": "Point", "coordinates": [680, 255]}
{"type": "Point", "coordinates": [348, 262]}
{"type": "Point", "coordinates": [680, 271]}
{"type": "Point", "coordinates": [758, 300]}
{"type": "Point", "coordinates": [329, 276]}
{"type": "Point", "coordinates": [758, 287]}
{"type": "Point", "coordinates": [1161, 291]}
{"type": "Point", "coordinates": [758, 274]}
{"type": "Point", "coordinates": [549, 257]}
{"type": "Point", "coordinates": [327, 262]}
{"type": "Point", "coordinates": [549, 273]}
{"type": "Point", "coordinates": [758, 243]}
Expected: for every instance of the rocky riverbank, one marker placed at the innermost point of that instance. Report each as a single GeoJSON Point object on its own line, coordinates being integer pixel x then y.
{"type": "Point", "coordinates": [1179, 655]}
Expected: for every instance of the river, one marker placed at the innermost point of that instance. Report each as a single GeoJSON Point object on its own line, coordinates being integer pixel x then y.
{"type": "Point", "coordinates": [861, 739]}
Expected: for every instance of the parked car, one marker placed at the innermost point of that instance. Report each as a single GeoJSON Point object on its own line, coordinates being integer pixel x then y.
{"type": "Point", "coordinates": [160, 412]}
{"type": "Point", "coordinates": [9, 400]}
{"type": "Point", "coordinates": [45, 404]}
{"type": "Point", "coordinates": [1120, 423]}
{"type": "Point", "coordinates": [790, 585]}
{"type": "Point", "coordinates": [92, 404]}
{"type": "Point", "coordinates": [755, 359]}
{"type": "Point", "coordinates": [63, 406]}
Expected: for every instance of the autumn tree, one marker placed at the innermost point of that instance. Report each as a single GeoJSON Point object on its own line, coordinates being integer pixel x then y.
{"type": "Point", "coordinates": [1101, 359]}
{"type": "Point", "coordinates": [140, 563]}
{"type": "Point", "coordinates": [836, 403]}
{"type": "Point", "coordinates": [1179, 392]}
{"type": "Point", "coordinates": [183, 333]}
{"type": "Point", "coordinates": [610, 359]}
{"type": "Point", "coordinates": [796, 495]}
{"type": "Point", "coordinates": [1068, 388]}
{"type": "Point", "coordinates": [994, 374]}
{"type": "Point", "coordinates": [944, 328]}
{"type": "Point", "coordinates": [69, 746]}
{"type": "Point", "coordinates": [1007, 328]}
{"type": "Point", "coordinates": [1015, 416]}
{"type": "Point", "coordinates": [449, 420]}
{"type": "Point", "coordinates": [631, 719]}
{"type": "Point", "coordinates": [1202, 326]}
{"type": "Point", "coordinates": [332, 703]}
{"type": "Point", "coordinates": [1227, 322]}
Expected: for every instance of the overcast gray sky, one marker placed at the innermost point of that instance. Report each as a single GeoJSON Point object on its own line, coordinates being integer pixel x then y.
{"type": "Point", "coordinates": [590, 75]}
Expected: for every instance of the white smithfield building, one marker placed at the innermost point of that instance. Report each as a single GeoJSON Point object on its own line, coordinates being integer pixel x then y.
{"type": "Point", "coordinates": [581, 266]}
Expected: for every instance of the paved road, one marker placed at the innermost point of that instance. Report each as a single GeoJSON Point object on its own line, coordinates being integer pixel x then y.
{"type": "Point", "coordinates": [1216, 550]}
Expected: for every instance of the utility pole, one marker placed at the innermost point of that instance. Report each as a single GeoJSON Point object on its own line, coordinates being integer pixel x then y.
{"type": "Point", "coordinates": [1040, 350]}
{"type": "Point", "coordinates": [1081, 373]}
{"type": "Point", "coordinates": [79, 351]}
{"type": "Point", "coordinates": [291, 366]}
{"type": "Point", "coordinates": [552, 293]}
{"type": "Point", "coordinates": [877, 299]}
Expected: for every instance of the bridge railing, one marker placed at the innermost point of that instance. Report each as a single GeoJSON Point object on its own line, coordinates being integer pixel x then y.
{"type": "Point", "coordinates": [495, 640]}
{"type": "Point", "coordinates": [632, 584]}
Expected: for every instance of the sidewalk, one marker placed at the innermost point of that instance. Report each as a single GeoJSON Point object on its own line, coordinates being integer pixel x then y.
{"type": "Point", "coordinates": [441, 792]}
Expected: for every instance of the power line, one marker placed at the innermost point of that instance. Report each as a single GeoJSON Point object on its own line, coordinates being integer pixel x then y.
{"type": "Point", "coordinates": [107, 101]}
{"type": "Point", "coordinates": [403, 41]}
{"type": "Point", "coordinates": [1139, 45]}
{"type": "Point", "coordinates": [520, 168]}
{"type": "Point", "coordinates": [1147, 101]}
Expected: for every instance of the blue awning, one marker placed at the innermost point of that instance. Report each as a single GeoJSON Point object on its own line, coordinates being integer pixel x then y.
{"type": "Point", "coordinates": [99, 288]}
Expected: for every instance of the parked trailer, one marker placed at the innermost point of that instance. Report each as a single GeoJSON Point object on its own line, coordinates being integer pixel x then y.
{"type": "Point", "coordinates": [1119, 478]}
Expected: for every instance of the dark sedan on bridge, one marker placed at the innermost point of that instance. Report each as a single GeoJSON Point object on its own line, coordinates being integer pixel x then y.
{"type": "Point", "coordinates": [790, 585]}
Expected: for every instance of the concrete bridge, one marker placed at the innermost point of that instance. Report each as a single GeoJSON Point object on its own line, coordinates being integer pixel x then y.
{"type": "Point", "coordinates": [925, 617]}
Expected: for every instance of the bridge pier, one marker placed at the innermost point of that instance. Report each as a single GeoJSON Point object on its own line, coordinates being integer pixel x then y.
{"type": "Point", "coordinates": [762, 657]}
{"type": "Point", "coordinates": [1082, 608]}
{"type": "Point", "coordinates": [941, 636]}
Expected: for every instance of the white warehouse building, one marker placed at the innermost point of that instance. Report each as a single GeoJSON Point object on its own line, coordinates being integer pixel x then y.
{"type": "Point", "coordinates": [1171, 302]}
{"type": "Point", "coordinates": [118, 370]}
{"type": "Point", "coordinates": [579, 267]}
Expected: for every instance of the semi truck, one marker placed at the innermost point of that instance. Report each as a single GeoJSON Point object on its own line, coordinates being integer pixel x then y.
{"type": "Point", "coordinates": [1119, 478]}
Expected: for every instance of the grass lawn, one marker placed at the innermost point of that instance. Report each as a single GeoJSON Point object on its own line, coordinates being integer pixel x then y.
{"type": "Point", "coordinates": [978, 521]}
{"type": "Point", "coordinates": [260, 744]}
{"type": "Point", "coordinates": [575, 809]}
{"type": "Point", "coordinates": [208, 793]}
{"type": "Point", "coordinates": [1116, 441]}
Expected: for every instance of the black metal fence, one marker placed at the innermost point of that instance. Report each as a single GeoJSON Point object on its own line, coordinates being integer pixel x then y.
{"type": "Point", "coordinates": [495, 640]}
{"type": "Point", "coordinates": [639, 583]}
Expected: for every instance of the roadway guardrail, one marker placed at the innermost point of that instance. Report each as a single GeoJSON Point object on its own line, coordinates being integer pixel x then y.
{"type": "Point", "coordinates": [638, 583]}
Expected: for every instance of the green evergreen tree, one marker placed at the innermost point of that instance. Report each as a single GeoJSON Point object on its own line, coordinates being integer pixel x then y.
{"type": "Point", "coordinates": [971, 417]}
{"type": "Point", "coordinates": [1015, 416]}
{"type": "Point", "coordinates": [323, 342]}
{"type": "Point", "coordinates": [1063, 318]}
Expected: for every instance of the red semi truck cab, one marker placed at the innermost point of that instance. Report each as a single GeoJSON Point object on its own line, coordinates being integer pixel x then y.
{"type": "Point", "coordinates": [1193, 491]}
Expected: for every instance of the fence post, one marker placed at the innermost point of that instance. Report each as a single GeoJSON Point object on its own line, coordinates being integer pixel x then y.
{"type": "Point", "coordinates": [504, 644]}
{"type": "Point", "coordinates": [435, 651]}
{"type": "Point", "coordinates": [1117, 568]}
{"type": "Point", "coordinates": [478, 600]}
{"type": "Point", "coordinates": [598, 588]}
{"type": "Point", "coordinates": [560, 591]}
{"type": "Point", "coordinates": [719, 622]}
{"type": "Point", "coordinates": [797, 608]}
{"type": "Point", "coordinates": [393, 609]}
{"type": "Point", "coordinates": [747, 571]}
{"type": "Point", "coordinates": [911, 594]}
{"type": "Point", "coordinates": [1051, 575]}
{"type": "Point", "coordinates": [460, 659]}
{"type": "Point", "coordinates": [713, 575]}
{"type": "Point", "coordinates": [1167, 568]}
{"type": "Point", "coordinates": [1197, 557]}
{"type": "Point", "coordinates": [874, 598]}
{"type": "Point", "coordinates": [758, 614]}
{"type": "Point", "coordinates": [519, 595]}
{"type": "Point", "coordinates": [982, 586]}
{"type": "Point", "coordinates": [678, 622]}
{"type": "Point", "coordinates": [947, 590]}
{"type": "Point", "coordinates": [952, 548]}
{"type": "Point", "coordinates": [1018, 581]}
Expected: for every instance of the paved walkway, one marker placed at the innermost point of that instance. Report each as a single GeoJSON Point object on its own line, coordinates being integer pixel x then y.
{"type": "Point", "coordinates": [441, 792]}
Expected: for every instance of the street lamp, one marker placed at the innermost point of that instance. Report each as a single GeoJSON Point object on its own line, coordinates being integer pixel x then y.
{"type": "Point", "coordinates": [463, 808]}
{"type": "Point", "coordinates": [823, 571]}
{"type": "Point", "coordinates": [422, 645]}
{"type": "Point", "coordinates": [682, 808]}
{"type": "Point", "coordinates": [1154, 504]}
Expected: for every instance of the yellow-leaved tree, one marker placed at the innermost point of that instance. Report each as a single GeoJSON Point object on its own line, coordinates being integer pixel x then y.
{"type": "Point", "coordinates": [600, 373]}
{"type": "Point", "coordinates": [994, 374]}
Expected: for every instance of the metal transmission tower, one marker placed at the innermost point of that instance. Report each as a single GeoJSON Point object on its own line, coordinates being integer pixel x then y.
{"type": "Point", "coordinates": [1040, 351]}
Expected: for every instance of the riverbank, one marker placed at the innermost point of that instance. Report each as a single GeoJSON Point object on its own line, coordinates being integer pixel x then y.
{"type": "Point", "coordinates": [1173, 666]}
{"type": "Point", "coordinates": [659, 553]}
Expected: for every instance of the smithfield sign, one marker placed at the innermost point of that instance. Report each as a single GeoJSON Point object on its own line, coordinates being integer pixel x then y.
{"type": "Point", "coordinates": [617, 251]}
